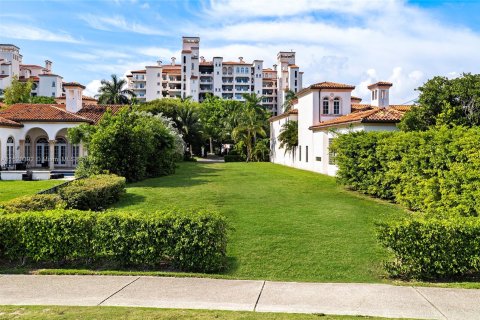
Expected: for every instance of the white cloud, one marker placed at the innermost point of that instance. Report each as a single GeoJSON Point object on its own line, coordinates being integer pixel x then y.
{"type": "Point", "coordinates": [118, 23]}
{"type": "Point", "coordinates": [91, 89]}
{"type": "Point", "coordinates": [25, 32]}
{"type": "Point", "coordinates": [145, 6]}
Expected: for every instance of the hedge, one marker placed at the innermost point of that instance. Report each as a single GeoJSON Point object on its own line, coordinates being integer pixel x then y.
{"type": "Point", "coordinates": [34, 202]}
{"type": "Point", "coordinates": [435, 171]}
{"type": "Point", "coordinates": [433, 248]}
{"type": "Point", "coordinates": [191, 241]}
{"type": "Point", "coordinates": [93, 193]}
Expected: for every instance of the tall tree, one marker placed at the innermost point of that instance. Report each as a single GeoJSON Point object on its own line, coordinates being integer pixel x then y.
{"type": "Point", "coordinates": [444, 101]}
{"type": "Point", "coordinates": [17, 92]}
{"type": "Point", "coordinates": [290, 97]}
{"type": "Point", "coordinates": [288, 136]}
{"type": "Point", "coordinates": [114, 91]}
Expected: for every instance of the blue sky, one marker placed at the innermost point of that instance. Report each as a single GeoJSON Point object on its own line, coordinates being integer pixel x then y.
{"type": "Point", "coordinates": [351, 41]}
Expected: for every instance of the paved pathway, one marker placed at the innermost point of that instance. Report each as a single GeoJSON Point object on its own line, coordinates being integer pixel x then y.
{"type": "Point", "coordinates": [261, 296]}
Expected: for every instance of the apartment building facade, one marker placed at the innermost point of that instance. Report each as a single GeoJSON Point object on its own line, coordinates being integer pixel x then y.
{"type": "Point", "coordinates": [45, 83]}
{"type": "Point", "coordinates": [196, 77]}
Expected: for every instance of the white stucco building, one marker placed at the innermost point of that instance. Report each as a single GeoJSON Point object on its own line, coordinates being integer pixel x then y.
{"type": "Point", "coordinates": [324, 110]}
{"type": "Point", "coordinates": [45, 83]}
{"type": "Point", "coordinates": [196, 77]}
{"type": "Point", "coordinates": [35, 135]}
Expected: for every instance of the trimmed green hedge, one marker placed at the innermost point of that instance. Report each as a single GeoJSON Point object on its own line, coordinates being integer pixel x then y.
{"type": "Point", "coordinates": [34, 202]}
{"type": "Point", "coordinates": [435, 171]}
{"type": "Point", "coordinates": [233, 158]}
{"type": "Point", "coordinates": [93, 193]}
{"type": "Point", "coordinates": [192, 241]}
{"type": "Point", "coordinates": [432, 248]}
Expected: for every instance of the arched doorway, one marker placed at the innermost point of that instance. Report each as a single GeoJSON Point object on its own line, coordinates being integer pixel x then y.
{"type": "Point", "coordinates": [60, 152]}
{"type": "Point", "coordinates": [42, 151]}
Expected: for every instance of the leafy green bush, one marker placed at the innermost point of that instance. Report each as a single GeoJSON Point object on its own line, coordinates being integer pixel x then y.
{"type": "Point", "coordinates": [36, 202]}
{"type": "Point", "coordinates": [93, 193]}
{"type": "Point", "coordinates": [433, 248]}
{"type": "Point", "coordinates": [187, 241]}
{"type": "Point", "coordinates": [233, 158]}
{"type": "Point", "coordinates": [435, 171]}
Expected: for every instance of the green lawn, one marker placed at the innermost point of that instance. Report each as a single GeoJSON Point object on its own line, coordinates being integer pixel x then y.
{"type": "Point", "coordinates": [287, 224]}
{"type": "Point", "coordinates": [124, 313]}
{"type": "Point", "coordinates": [13, 189]}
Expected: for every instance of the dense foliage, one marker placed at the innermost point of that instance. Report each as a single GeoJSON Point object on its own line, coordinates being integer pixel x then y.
{"type": "Point", "coordinates": [434, 172]}
{"type": "Point", "coordinates": [92, 193]}
{"type": "Point", "coordinates": [36, 202]}
{"type": "Point", "coordinates": [433, 248]}
{"type": "Point", "coordinates": [444, 101]}
{"type": "Point", "coordinates": [114, 91]}
{"type": "Point", "coordinates": [42, 99]}
{"type": "Point", "coordinates": [288, 136]}
{"type": "Point", "coordinates": [17, 92]}
{"type": "Point", "coordinates": [187, 241]}
{"type": "Point", "coordinates": [131, 144]}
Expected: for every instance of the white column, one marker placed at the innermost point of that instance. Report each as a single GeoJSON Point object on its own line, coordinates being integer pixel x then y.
{"type": "Point", "coordinates": [51, 154]}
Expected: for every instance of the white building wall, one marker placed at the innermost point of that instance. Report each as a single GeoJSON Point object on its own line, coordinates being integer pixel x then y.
{"type": "Point", "coordinates": [49, 86]}
{"type": "Point", "coordinates": [153, 87]}
{"type": "Point", "coordinates": [217, 76]}
{"type": "Point", "coordinates": [257, 77]}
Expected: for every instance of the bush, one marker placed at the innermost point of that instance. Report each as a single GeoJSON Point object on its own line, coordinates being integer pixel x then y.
{"type": "Point", "coordinates": [233, 158]}
{"type": "Point", "coordinates": [432, 248]}
{"type": "Point", "coordinates": [93, 193]}
{"type": "Point", "coordinates": [187, 241]}
{"type": "Point", "coordinates": [37, 202]}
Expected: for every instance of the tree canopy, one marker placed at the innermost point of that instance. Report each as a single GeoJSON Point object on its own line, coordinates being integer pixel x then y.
{"type": "Point", "coordinates": [444, 101]}
{"type": "Point", "coordinates": [114, 91]}
{"type": "Point", "coordinates": [17, 92]}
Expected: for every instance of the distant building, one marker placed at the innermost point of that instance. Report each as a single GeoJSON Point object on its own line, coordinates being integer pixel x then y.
{"type": "Point", "coordinates": [196, 77]}
{"type": "Point", "coordinates": [324, 110]}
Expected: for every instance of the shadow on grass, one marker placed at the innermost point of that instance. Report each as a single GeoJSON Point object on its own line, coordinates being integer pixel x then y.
{"type": "Point", "coordinates": [187, 175]}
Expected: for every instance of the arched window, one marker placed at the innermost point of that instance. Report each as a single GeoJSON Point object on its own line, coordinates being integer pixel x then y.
{"type": "Point", "coordinates": [238, 70]}
{"type": "Point", "coordinates": [325, 106]}
{"type": "Point", "coordinates": [224, 70]}
{"type": "Point", "coordinates": [42, 150]}
{"type": "Point", "coordinates": [10, 150]}
{"type": "Point", "coordinates": [336, 106]}
{"type": "Point", "coordinates": [60, 151]}
{"type": "Point", "coordinates": [28, 148]}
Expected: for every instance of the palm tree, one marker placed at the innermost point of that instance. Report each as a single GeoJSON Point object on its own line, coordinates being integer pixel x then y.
{"type": "Point", "coordinates": [250, 125]}
{"type": "Point", "coordinates": [188, 124]}
{"type": "Point", "coordinates": [113, 92]}
{"type": "Point", "coordinates": [290, 97]}
{"type": "Point", "coordinates": [289, 135]}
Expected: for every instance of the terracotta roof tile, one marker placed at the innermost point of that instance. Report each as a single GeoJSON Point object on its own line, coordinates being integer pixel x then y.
{"type": "Point", "coordinates": [9, 123]}
{"type": "Point", "coordinates": [73, 84]}
{"type": "Point", "coordinates": [284, 115]}
{"type": "Point", "coordinates": [139, 71]}
{"type": "Point", "coordinates": [95, 113]}
{"type": "Point", "coordinates": [360, 107]}
{"type": "Point", "coordinates": [31, 66]}
{"type": "Point", "coordinates": [380, 83]}
{"type": "Point", "coordinates": [356, 99]}
{"type": "Point", "coordinates": [292, 66]}
{"type": "Point", "coordinates": [374, 115]}
{"type": "Point", "coordinates": [331, 85]}
{"type": "Point", "coordinates": [28, 112]}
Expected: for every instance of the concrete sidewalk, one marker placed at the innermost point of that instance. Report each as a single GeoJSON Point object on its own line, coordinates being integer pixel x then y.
{"type": "Point", "coordinates": [242, 295]}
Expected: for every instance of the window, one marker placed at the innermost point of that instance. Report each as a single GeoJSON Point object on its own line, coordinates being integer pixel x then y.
{"type": "Point", "coordinates": [325, 105]}
{"type": "Point", "coordinates": [299, 153]}
{"type": "Point", "coordinates": [295, 83]}
{"type": "Point", "coordinates": [336, 106]}
{"type": "Point", "coordinates": [53, 84]}
{"type": "Point", "coordinates": [184, 69]}
{"type": "Point", "coordinates": [28, 148]}
{"type": "Point", "coordinates": [296, 73]}
{"type": "Point", "coordinates": [306, 153]}
{"type": "Point", "coordinates": [10, 149]}
{"type": "Point", "coordinates": [331, 155]}
{"type": "Point", "coordinates": [373, 95]}
{"type": "Point", "coordinates": [184, 59]}
{"type": "Point", "coordinates": [75, 154]}
{"type": "Point", "coordinates": [158, 75]}
{"type": "Point", "coordinates": [193, 66]}
{"type": "Point", "coordinates": [158, 83]}
{"type": "Point", "coordinates": [383, 94]}
{"type": "Point", "coordinates": [238, 70]}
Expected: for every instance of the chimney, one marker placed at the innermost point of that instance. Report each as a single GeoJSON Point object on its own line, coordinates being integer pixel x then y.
{"type": "Point", "coordinates": [240, 59]}
{"type": "Point", "coordinates": [275, 67]}
{"type": "Point", "coordinates": [173, 61]}
{"type": "Point", "coordinates": [48, 65]}
{"type": "Point", "coordinates": [159, 62]}
{"type": "Point", "coordinates": [73, 96]}
{"type": "Point", "coordinates": [202, 59]}
{"type": "Point", "coordinates": [380, 94]}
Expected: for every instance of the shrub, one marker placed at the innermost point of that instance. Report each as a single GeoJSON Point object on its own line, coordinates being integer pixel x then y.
{"type": "Point", "coordinates": [36, 202]}
{"type": "Point", "coordinates": [433, 248]}
{"type": "Point", "coordinates": [233, 158]}
{"type": "Point", "coordinates": [93, 193]}
{"type": "Point", "coordinates": [187, 241]}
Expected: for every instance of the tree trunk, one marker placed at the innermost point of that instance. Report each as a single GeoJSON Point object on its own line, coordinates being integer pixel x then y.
{"type": "Point", "coordinates": [211, 146]}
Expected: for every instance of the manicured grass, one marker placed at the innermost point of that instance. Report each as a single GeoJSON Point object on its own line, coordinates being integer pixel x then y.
{"type": "Point", "coordinates": [13, 189]}
{"type": "Point", "coordinates": [287, 224]}
{"type": "Point", "coordinates": [114, 313]}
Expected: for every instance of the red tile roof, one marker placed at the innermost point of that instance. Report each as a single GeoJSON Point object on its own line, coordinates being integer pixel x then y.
{"type": "Point", "coordinates": [28, 112]}
{"type": "Point", "coordinates": [357, 99]}
{"type": "Point", "coordinates": [380, 84]}
{"type": "Point", "coordinates": [9, 123]}
{"type": "Point", "coordinates": [325, 85]}
{"type": "Point", "coordinates": [73, 84]}
{"type": "Point", "coordinates": [236, 63]}
{"type": "Point", "coordinates": [284, 115]}
{"type": "Point", "coordinates": [360, 107]}
{"type": "Point", "coordinates": [374, 115]}
{"type": "Point", "coordinates": [139, 71]}
{"type": "Point", "coordinates": [31, 66]}
{"type": "Point", "coordinates": [95, 113]}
